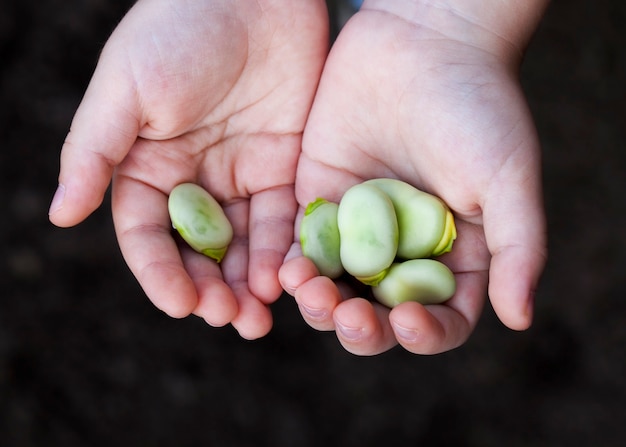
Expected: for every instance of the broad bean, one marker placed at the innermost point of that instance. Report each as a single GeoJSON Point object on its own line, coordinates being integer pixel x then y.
{"type": "Point", "coordinates": [368, 231]}
{"type": "Point", "coordinates": [384, 232]}
{"type": "Point", "coordinates": [319, 237]}
{"type": "Point", "coordinates": [426, 281]}
{"type": "Point", "coordinates": [200, 220]}
{"type": "Point", "coordinates": [425, 224]}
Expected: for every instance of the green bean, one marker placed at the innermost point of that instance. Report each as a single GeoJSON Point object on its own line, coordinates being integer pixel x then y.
{"type": "Point", "coordinates": [426, 226]}
{"type": "Point", "coordinates": [319, 237]}
{"type": "Point", "coordinates": [200, 220]}
{"type": "Point", "coordinates": [426, 281]}
{"type": "Point", "coordinates": [368, 232]}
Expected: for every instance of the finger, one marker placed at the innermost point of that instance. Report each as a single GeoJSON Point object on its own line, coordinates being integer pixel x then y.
{"type": "Point", "coordinates": [317, 298]}
{"type": "Point", "coordinates": [516, 236]}
{"type": "Point", "coordinates": [144, 234]}
{"type": "Point", "coordinates": [434, 329]}
{"type": "Point", "coordinates": [254, 319]}
{"type": "Point", "coordinates": [103, 129]}
{"type": "Point", "coordinates": [272, 214]}
{"type": "Point", "coordinates": [515, 273]}
{"type": "Point", "coordinates": [216, 302]}
{"type": "Point", "coordinates": [363, 328]}
{"type": "Point", "coordinates": [296, 271]}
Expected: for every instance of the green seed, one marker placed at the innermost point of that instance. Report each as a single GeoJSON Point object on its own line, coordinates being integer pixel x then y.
{"type": "Point", "coordinates": [368, 232]}
{"type": "Point", "coordinates": [200, 220]}
{"type": "Point", "coordinates": [426, 281]}
{"type": "Point", "coordinates": [319, 237]}
{"type": "Point", "coordinates": [426, 226]}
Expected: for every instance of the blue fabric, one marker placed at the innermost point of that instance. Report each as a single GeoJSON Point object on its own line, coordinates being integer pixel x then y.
{"type": "Point", "coordinates": [356, 4]}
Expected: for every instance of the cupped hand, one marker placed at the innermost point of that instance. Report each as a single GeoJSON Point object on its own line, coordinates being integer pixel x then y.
{"type": "Point", "coordinates": [399, 99]}
{"type": "Point", "coordinates": [211, 92]}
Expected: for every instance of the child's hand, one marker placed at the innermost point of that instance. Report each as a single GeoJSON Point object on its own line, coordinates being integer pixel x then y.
{"type": "Point", "coordinates": [400, 99]}
{"type": "Point", "coordinates": [211, 92]}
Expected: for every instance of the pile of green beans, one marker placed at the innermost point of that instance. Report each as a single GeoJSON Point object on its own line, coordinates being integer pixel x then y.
{"type": "Point", "coordinates": [200, 220]}
{"type": "Point", "coordinates": [385, 233]}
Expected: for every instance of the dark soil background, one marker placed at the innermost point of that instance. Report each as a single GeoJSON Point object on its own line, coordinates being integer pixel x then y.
{"type": "Point", "coordinates": [86, 360]}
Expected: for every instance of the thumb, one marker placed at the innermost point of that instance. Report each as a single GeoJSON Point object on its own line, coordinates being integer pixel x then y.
{"type": "Point", "coordinates": [104, 128]}
{"type": "Point", "coordinates": [515, 229]}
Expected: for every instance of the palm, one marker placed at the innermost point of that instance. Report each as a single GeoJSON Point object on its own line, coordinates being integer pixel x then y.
{"type": "Point", "coordinates": [445, 117]}
{"type": "Point", "coordinates": [218, 96]}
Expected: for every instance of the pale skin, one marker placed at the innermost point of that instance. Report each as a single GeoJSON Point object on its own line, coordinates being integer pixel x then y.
{"type": "Point", "coordinates": [427, 92]}
{"type": "Point", "coordinates": [214, 92]}
{"type": "Point", "coordinates": [218, 93]}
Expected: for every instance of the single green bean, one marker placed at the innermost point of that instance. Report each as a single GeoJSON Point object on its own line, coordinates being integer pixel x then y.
{"type": "Point", "coordinates": [426, 281]}
{"type": "Point", "coordinates": [426, 226]}
{"type": "Point", "coordinates": [319, 237]}
{"type": "Point", "coordinates": [368, 232]}
{"type": "Point", "coordinates": [200, 220]}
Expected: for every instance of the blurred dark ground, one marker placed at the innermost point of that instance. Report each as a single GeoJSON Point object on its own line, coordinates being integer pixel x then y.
{"type": "Point", "coordinates": [86, 360]}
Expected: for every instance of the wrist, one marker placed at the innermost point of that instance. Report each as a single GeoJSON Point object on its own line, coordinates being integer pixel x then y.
{"type": "Point", "coordinates": [503, 28]}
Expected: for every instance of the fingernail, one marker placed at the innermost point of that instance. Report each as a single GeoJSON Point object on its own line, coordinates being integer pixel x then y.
{"type": "Point", "coordinates": [314, 313]}
{"type": "Point", "coordinates": [349, 333]}
{"type": "Point", "coordinates": [57, 200]}
{"type": "Point", "coordinates": [405, 333]}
